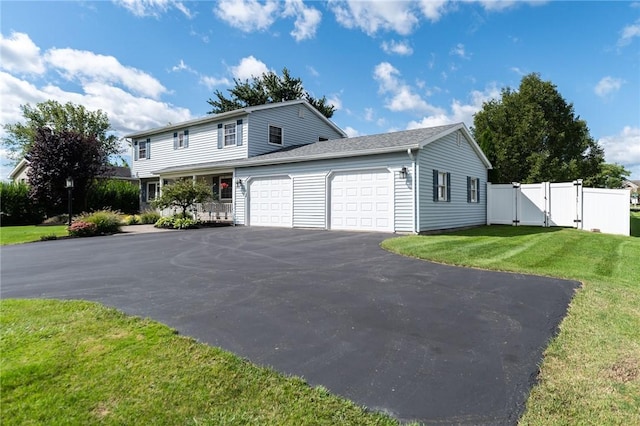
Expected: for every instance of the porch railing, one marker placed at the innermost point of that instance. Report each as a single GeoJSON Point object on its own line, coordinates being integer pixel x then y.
{"type": "Point", "coordinates": [208, 212]}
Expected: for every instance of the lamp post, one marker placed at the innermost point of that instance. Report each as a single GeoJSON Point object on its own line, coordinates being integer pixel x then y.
{"type": "Point", "coordinates": [69, 187]}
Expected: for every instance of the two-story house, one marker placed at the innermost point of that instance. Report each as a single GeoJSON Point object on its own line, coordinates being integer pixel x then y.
{"type": "Point", "coordinates": [285, 164]}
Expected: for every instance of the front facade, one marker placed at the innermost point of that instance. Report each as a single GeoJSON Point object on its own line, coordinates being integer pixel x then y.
{"type": "Point", "coordinates": [303, 172]}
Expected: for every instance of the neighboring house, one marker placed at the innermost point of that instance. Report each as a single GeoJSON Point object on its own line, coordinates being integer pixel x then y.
{"type": "Point", "coordinates": [19, 173]}
{"type": "Point", "coordinates": [634, 187]}
{"type": "Point", "coordinates": [286, 165]}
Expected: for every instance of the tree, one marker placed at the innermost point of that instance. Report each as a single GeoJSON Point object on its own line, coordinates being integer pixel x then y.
{"type": "Point", "coordinates": [264, 89]}
{"type": "Point", "coordinates": [55, 155]}
{"type": "Point", "coordinates": [183, 194]}
{"type": "Point", "coordinates": [58, 118]}
{"type": "Point", "coordinates": [609, 176]}
{"type": "Point", "coordinates": [533, 135]}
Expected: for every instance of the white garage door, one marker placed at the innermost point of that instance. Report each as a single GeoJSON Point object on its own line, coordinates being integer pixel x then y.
{"type": "Point", "coordinates": [270, 202]}
{"type": "Point", "coordinates": [362, 201]}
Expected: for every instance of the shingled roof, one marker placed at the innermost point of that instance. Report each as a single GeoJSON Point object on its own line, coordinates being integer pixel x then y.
{"type": "Point", "coordinates": [337, 148]}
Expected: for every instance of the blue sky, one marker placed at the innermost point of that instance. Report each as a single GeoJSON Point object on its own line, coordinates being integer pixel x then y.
{"type": "Point", "coordinates": [385, 65]}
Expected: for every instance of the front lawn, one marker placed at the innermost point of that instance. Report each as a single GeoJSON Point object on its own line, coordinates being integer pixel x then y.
{"type": "Point", "coordinates": [26, 234]}
{"type": "Point", "coordinates": [73, 362]}
{"type": "Point", "coordinates": [591, 370]}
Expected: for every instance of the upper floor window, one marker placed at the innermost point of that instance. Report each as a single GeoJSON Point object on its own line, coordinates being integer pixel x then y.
{"type": "Point", "coordinates": [142, 149]}
{"type": "Point", "coordinates": [181, 139]}
{"type": "Point", "coordinates": [275, 135]}
{"type": "Point", "coordinates": [229, 134]}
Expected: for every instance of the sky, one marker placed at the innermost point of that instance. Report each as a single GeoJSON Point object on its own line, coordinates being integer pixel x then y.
{"type": "Point", "coordinates": [384, 65]}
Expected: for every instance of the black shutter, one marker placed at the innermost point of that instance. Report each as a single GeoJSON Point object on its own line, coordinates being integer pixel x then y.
{"type": "Point", "coordinates": [478, 190]}
{"type": "Point", "coordinates": [435, 185]}
{"type": "Point", "coordinates": [448, 187]}
{"type": "Point", "coordinates": [148, 148]}
{"type": "Point", "coordinates": [468, 189]}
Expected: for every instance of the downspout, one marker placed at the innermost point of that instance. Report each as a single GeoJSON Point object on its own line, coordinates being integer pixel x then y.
{"type": "Point", "coordinates": [415, 200]}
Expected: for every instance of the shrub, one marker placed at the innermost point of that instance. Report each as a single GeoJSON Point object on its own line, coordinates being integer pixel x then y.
{"type": "Point", "coordinates": [114, 194]}
{"type": "Point", "coordinates": [61, 219]}
{"type": "Point", "coordinates": [48, 237]}
{"type": "Point", "coordinates": [81, 228]}
{"type": "Point", "coordinates": [176, 222]}
{"type": "Point", "coordinates": [149, 217]}
{"type": "Point", "coordinates": [17, 207]}
{"type": "Point", "coordinates": [132, 219]}
{"type": "Point", "coordinates": [106, 221]}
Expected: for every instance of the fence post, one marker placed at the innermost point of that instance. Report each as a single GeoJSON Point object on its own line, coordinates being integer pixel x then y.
{"type": "Point", "coordinates": [578, 220]}
{"type": "Point", "coordinates": [516, 204]}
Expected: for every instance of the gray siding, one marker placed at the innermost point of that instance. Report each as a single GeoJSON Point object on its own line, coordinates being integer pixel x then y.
{"type": "Point", "coordinates": [460, 161]}
{"type": "Point", "coordinates": [299, 125]}
{"type": "Point", "coordinates": [203, 147]}
{"type": "Point", "coordinates": [310, 187]}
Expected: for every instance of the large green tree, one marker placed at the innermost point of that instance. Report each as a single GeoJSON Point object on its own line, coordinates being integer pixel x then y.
{"type": "Point", "coordinates": [533, 135]}
{"type": "Point", "coordinates": [610, 176]}
{"type": "Point", "coordinates": [183, 194]}
{"type": "Point", "coordinates": [267, 88]}
{"type": "Point", "coordinates": [53, 156]}
{"type": "Point", "coordinates": [58, 117]}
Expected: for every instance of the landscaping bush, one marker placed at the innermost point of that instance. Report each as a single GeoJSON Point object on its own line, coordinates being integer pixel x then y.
{"type": "Point", "coordinates": [176, 222]}
{"type": "Point", "coordinates": [17, 207]}
{"type": "Point", "coordinates": [114, 194]}
{"type": "Point", "coordinates": [131, 219]}
{"type": "Point", "coordinates": [149, 217]}
{"type": "Point", "coordinates": [81, 228]}
{"type": "Point", "coordinates": [106, 221]}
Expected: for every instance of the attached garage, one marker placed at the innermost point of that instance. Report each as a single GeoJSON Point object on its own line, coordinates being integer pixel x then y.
{"type": "Point", "coordinates": [270, 201]}
{"type": "Point", "coordinates": [361, 200]}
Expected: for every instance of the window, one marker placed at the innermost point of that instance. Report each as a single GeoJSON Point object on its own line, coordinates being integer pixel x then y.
{"type": "Point", "coordinates": [226, 187]}
{"type": "Point", "coordinates": [473, 190]}
{"type": "Point", "coordinates": [152, 191]}
{"type": "Point", "coordinates": [181, 139]}
{"type": "Point", "coordinates": [275, 135]}
{"type": "Point", "coordinates": [143, 150]}
{"type": "Point", "coordinates": [441, 186]}
{"type": "Point", "coordinates": [229, 134]}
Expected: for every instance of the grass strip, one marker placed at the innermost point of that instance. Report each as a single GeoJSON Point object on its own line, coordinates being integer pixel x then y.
{"type": "Point", "coordinates": [591, 371]}
{"type": "Point", "coordinates": [26, 234]}
{"type": "Point", "coordinates": [73, 362]}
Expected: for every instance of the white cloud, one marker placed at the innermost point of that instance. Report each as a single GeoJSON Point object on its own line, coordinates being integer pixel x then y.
{"type": "Point", "coordinates": [88, 66]}
{"type": "Point", "coordinates": [335, 101]}
{"type": "Point", "coordinates": [402, 97]}
{"type": "Point", "coordinates": [183, 67]}
{"type": "Point", "coordinates": [212, 82]}
{"type": "Point", "coordinates": [628, 33]}
{"type": "Point", "coordinates": [459, 112]}
{"type": "Point", "coordinates": [397, 47]}
{"type": "Point", "coordinates": [248, 68]}
{"type": "Point", "coordinates": [313, 71]}
{"type": "Point", "coordinates": [459, 50]}
{"type": "Point", "coordinates": [369, 114]}
{"type": "Point", "coordinates": [247, 15]}
{"type": "Point", "coordinates": [153, 8]}
{"type": "Point", "coordinates": [608, 85]}
{"type": "Point", "coordinates": [20, 54]}
{"type": "Point", "coordinates": [433, 9]}
{"type": "Point", "coordinates": [373, 16]}
{"type": "Point", "coordinates": [624, 148]}
{"type": "Point", "coordinates": [307, 19]}
{"type": "Point", "coordinates": [351, 132]}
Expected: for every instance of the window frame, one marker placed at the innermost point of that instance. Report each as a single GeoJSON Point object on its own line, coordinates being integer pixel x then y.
{"type": "Point", "coordinates": [140, 143]}
{"type": "Point", "coordinates": [442, 186]}
{"type": "Point", "coordinates": [228, 190]}
{"type": "Point", "coordinates": [474, 186]}
{"type": "Point", "coordinates": [227, 136]}
{"type": "Point", "coordinates": [272, 126]}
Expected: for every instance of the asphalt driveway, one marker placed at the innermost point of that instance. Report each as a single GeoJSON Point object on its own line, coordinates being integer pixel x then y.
{"type": "Point", "coordinates": [418, 340]}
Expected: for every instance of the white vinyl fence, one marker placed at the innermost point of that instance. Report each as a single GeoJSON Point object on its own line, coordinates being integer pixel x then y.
{"type": "Point", "coordinates": [566, 204]}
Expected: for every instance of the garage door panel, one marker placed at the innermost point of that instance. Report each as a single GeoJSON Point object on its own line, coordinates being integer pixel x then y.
{"type": "Point", "coordinates": [361, 201]}
{"type": "Point", "coordinates": [270, 202]}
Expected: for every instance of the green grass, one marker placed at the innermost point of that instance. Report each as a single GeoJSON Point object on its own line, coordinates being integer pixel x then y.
{"type": "Point", "coordinates": [591, 370]}
{"type": "Point", "coordinates": [25, 234]}
{"type": "Point", "coordinates": [635, 224]}
{"type": "Point", "coordinates": [72, 362]}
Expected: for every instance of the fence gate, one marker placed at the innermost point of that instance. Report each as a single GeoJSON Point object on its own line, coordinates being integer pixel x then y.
{"type": "Point", "coordinates": [565, 204]}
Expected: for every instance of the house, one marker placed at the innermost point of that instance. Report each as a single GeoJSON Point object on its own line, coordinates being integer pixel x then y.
{"type": "Point", "coordinates": [286, 165]}
{"type": "Point", "coordinates": [19, 174]}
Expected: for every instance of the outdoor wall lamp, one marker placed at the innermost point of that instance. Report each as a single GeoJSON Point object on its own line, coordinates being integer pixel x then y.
{"type": "Point", "coordinates": [69, 186]}
{"type": "Point", "coordinates": [403, 173]}
{"type": "Point", "coordinates": [239, 182]}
